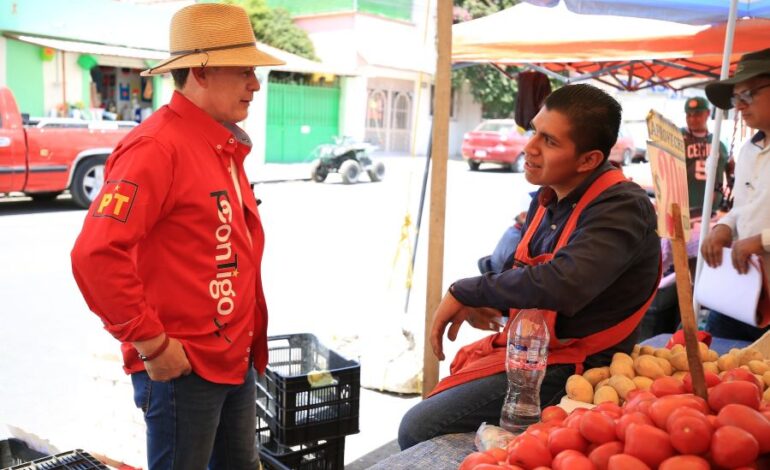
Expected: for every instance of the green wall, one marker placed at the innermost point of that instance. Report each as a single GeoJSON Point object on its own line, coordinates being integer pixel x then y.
{"type": "Point", "coordinates": [24, 76]}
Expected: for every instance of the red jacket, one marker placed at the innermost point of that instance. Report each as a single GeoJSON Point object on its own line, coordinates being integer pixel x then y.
{"type": "Point", "coordinates": [166, 245]}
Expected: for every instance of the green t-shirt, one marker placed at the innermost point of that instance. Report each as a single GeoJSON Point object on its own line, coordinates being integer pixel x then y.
{"type": "Point", "coordinates": [697, 150]}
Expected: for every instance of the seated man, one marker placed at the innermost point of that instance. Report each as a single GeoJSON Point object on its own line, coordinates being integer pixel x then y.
{"type": "Point", "coordinates": [589, 256]}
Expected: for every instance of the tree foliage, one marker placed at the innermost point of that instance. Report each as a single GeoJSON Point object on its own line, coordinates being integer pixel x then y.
{"type": "Point", "coordinates": [489, 86]}
{"type": "Point", "coordinates": [274, 27]}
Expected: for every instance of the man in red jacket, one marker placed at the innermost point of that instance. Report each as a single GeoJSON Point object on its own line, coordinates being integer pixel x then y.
{"type": "Point", "coordinates": [170, 252]}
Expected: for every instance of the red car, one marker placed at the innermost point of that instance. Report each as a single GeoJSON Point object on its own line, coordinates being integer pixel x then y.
{"type": "Point", "coordinates": [624, 150]}
{"type": "Point", "coordinates": [499, 141]}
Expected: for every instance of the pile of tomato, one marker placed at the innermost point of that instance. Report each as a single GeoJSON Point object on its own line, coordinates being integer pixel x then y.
{"type": "Point", "coordinates": [663, 428]}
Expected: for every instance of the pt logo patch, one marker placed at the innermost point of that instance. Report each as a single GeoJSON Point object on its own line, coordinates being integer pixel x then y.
{"type": "Point", "coordinates": [116, 201]}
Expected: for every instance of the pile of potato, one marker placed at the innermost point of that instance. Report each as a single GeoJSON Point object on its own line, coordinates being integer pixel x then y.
{"type": "Point", "coordinates": [646, 363]}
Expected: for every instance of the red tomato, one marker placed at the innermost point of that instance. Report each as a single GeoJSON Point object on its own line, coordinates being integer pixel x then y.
{"type": "Point", "coordinates": [684, 411]}
{"type": "Point", "coordinates": [733, 447]}
{"type": "Point", "coordinates": [647, 443]}
{"type": "Point", "coordinates": [540, 434]}
{"type": "Point", "coordinates": [477, 458]}
{"type": "Point", "coordinates": [490, 466]}
{"type": "Point", "coordinates": [635, 397]}
{"type": "Point", "coordinates": [664, 406]}
{"type": "Point", "coordinates": [685, 462]}
{"type": "Point", "coordinates": [601, 455]}
{"type": "Point", "coordinates": [528, 451]}
{"type": "Point", "coordinates": [500, 455]}
{"type": "Point", "coordinates": [741, 374]}
{"type": "Point", "coordinates": [749, 420]}
{"type": "Point", "coordinates": [597, 427]}
{"type": "Point", "coordinates": [566, 438]}
{"type": "Point", "coordinates": [634, 417]}
{"type": "Point", "coordinates": [626, 462]}
{"type": "Point", "coordinates": [666, 385]}
{"type": "Point", "coordinates": [690, 434]}
{"type": "Point", "coordinates": [610, 409]}
{"type": "Point", "coordinates": [711, 380]}
{"type": "Point", "coordinates": [558, 460]}
{"type": "Point", "coordinates": [550, 413]}
{"type": "Point", "coordinates": [576, 462]}
{"type": "Point", "coordinates": [738, 391]}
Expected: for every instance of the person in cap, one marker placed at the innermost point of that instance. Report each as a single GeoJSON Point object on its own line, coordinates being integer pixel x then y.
{"type": "Point", "coordinates": [170, 251]}
{"type": "Point", "coordinates": [589, 259]}
{"type": "Point", "coordinates": [697, 143]}
{"type": "Point", "coordinates": [746, 228]}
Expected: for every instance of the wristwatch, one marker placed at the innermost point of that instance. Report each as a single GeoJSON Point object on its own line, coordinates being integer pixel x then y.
{"type": "Point", "coordinates": [766, 240]}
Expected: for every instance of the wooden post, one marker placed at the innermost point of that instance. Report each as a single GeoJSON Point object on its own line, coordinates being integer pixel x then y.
{"type": "Point", "coordinates": [440, 149]}
{"type": "Point", "coordinates": [684, 291]}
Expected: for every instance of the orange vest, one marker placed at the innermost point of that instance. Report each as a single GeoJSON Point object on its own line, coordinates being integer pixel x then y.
{"type": "Point", "coordinates": [487, 356]}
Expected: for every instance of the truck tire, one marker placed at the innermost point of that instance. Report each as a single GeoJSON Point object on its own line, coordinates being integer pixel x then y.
{"type": "Point", "coordinates": [88, 180]}
{"type": "Point", "coordinates": [350, 170]}
{"type": "Point", "coordinates": [376, 172]}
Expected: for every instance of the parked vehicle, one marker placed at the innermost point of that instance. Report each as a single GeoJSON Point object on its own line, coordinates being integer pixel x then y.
{"type": "Point", "coordinates": [499, 141]}
{"type": "Point", "coordinates": [348, 158]}
{"type": "Point", "coordinates": [43, 158]}
{"type": "Point", "coordinates": [624, 151]}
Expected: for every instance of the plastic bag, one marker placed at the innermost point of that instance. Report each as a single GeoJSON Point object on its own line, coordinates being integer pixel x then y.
{"type": "Point", "coordinates": [489, 436]}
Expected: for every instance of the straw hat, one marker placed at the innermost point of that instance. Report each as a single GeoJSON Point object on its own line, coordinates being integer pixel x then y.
{"type": "Point", "coordinates": [212, 34]}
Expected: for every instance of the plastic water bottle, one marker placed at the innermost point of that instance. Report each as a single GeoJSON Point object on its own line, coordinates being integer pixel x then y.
{"type": "Point", "coordinates": [525, 363]}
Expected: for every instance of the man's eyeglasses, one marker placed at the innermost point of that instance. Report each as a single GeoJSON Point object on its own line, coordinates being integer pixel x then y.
{"type": "Point", "coordinates": [747, 96]}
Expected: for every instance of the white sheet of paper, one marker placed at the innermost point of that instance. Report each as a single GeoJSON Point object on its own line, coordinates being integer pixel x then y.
{"type": "Point", "coordinates": [727, 291]}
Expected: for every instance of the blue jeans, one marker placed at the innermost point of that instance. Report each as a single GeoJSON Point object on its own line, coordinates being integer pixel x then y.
{"type": "Point", "coordinates": [194, 424]}
{"type": "Point", "coordinates": [722, 326]}
{"type": "Point", "coordinates": [463, 408]}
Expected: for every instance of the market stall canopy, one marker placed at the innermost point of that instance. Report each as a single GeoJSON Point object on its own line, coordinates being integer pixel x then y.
{"type": "Point", "coordinates": [624, 52]}
{"type": "Point", "coordinates": [680, 11]}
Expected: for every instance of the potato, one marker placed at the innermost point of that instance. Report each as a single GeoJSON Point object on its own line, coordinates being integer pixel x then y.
{"type": "Point", "coordinates": [665, 364]}
{"type": "Point", "coordinates": [637, 348]}
{"type": "Point", "coordinates": [735, 351]}
{"type": "Point", "coordinates": [622, 385]}
{"type": "Point", "coordinates": [647, 366]}
{"type": "Point", "coordinates": [596, 375]}
{"type": "Point", "coordinates": [622, 357]}
{"type": "Point", "coordinates": [602, 383]}
{"type": "Point", "coordinates": [606, 393]}
{"type": "Point", "coordinates": [634, 355]}
{"type": "Point", "coordinates": [711, 367]}
{"type": "Point", "coordinates": [749, 355]}
{"type": "Point", "coordinates": [727, 362]}
{"type": "Point", "coordinates": [766, 378]}
{"type": "Point", "coordinates": [677, 348]}
{"type": "Point", "coordinates": [679, 375]}
{"type": "Point", "coordinates": [578, 388]}
{"type": "Point", "coordinates": [664, 353]}
{"type": "Point", "coordinates": [758, 367]}
{"type": "Point", "coordinates": [679, 361]}
{"type": "Point", "coordinates": [760, 381]}
{"type": "Point", "coordinates": [766, 396]}
{"type": "Point", "coordinates": [621, 367]}
{"type": "Point", "coordinates": [712, 356]}
{"type": "Point", "coordinates": [647, 350]}
{"type": "Point", "coordinates": [703, 351]}
{"type": "Point", "coordinates": [642, 383]}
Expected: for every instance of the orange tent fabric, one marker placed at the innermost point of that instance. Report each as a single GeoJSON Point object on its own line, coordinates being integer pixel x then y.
{"type": "Point", "coordinates": [613, 47]}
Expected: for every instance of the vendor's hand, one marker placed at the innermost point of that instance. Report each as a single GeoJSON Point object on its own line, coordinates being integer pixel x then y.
{"type": "Point", "coordinates": [484, 318]}
{"type": "Point", "coordinates": [449, 312]}
{"type": "Point", "coordinates": [743, 249]}
{"type": "Point", "coordinates": [172, 363]}
{"type": "Point", "coordinates": [720, 236]}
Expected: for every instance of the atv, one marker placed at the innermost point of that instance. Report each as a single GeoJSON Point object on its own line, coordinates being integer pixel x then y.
{"type": "Point", "coordinates": [348, 158]}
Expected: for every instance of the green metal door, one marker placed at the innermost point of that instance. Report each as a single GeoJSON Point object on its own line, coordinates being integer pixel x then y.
{"type": "Point", "coordinates": [299, 117]}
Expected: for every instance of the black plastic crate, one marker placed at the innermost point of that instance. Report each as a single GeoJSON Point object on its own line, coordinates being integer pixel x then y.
{"type": "Point", "coordinates": [317, 455]}
{"type": "Point", "coordinates": [74, 459]}
{"type": "Point", "coordinates": [15, 451]}
{"type": "Point", "coordinates": [298, 412]}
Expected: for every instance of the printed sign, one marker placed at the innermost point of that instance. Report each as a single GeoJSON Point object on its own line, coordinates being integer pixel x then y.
{"type": "Point", "coordinates": [665, 151]}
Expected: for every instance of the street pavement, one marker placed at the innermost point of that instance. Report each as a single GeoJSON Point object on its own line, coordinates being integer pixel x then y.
{"type": "Point", "coordinates": [334, 266]}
